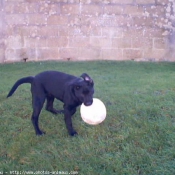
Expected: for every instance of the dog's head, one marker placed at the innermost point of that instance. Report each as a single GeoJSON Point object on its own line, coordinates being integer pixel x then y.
{"type": "Point", "coordinates": [83, 89]}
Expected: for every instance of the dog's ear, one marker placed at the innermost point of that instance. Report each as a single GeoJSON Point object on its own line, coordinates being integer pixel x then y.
{"type": "Point", "coordinates": [87, 78]}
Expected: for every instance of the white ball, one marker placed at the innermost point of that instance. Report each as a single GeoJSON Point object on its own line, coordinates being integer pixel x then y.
{"type": "Point", "coordinates": [93, 114]}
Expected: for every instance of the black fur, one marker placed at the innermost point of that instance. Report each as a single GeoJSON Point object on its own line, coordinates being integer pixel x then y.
{"type": "Point", "coordinates": [48, 85]}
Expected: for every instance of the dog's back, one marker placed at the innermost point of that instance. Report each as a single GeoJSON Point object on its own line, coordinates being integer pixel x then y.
{"type": "Point", "coordinates": [54, 82]}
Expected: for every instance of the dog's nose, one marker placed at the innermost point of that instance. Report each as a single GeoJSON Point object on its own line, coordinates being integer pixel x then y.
{"type": "Point", "coordinates": [88, 103]}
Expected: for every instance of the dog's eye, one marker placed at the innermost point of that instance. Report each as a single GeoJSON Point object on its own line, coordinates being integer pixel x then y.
{"type": "Point", "coordinates": [77, 87]}
{"type": "Point", "coordinates": [90, 84]}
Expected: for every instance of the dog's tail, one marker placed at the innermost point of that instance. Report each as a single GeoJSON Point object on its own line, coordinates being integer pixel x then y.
{"type": "Point", "coordinates": [18, 83]}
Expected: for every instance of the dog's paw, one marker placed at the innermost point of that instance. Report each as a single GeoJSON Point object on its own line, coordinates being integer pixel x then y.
{"type": "Point", "coordinates": [40, 133]}
{"type": "Point", "coordinates": [73, 133]}
{"type": "Point", "coordinates": [60, 111]}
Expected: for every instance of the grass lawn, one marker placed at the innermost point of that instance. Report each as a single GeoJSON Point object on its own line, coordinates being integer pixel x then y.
{"type": "Point", "coordinates": [137, 137]}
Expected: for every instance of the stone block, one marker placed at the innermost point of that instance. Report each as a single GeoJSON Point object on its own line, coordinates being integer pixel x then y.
{"type": "Point", "coordinates": [10, 31]}
{"type": "Point", "coordinates": [142, 42]}
{"type": "Point", "coordinates": [2, 44]}
{"type": "Point", "coordinates": [2, 55]}
{"type": "Point", "coordinates": [73, 1]}
{"type": "Point", "coordinates": [121, 2]}
{"type": "Point", "coordinates": [133, 10]}
{"type": "Point", "coordinates": [154, 54]}
{"type": "Point", "coordinates": [24, 53]}
{"type": "Point", "coordinates": [90, 30]}
{"type": "Point", "coordinates": [95, 10]}
{"type": "Point", "coordinates": [133, 32]}
{"type": "Point", "coordinates": [69, 54]}
{"type": "Point", "coordinates": [36, 19]}
{"type": "Point", "coordinates": [63, 30]}
{"type": "Point", "coordinates": [48, 31]}
{"type": "Point", "coordinates": [112, 32]}
{"type": "Point", "coordinates": [57, 20]}
{"type": "Point", "coordinates": [84, 31]}
{"type": "Point", "coordinates": [121, 42]}
{"type": "Point", "coordinates": [9, 7]}
{"type": "Point", "coordinates": [47, 54]}
{"type": "Point", "coordinates": [163, 22]}
{"type": "Point", "coordinates": [14, 42]}
{"type": "Point", "coordinates": [49, 8]}
{"type": "Point", "coordinates": [143, 21]}
{"type": "Point", "coordinates": [103, 1]}
{"type": "Point", "coordinates": [16, 19]}
{"type": "Point", "coordinates": [91, 21]}
{"type": "Point", "coordinates": [60, 41]}
{"type": "Point", "coordinates": [132, 54]}
{"type": "Point", "coordinates": [74, 31]}
{"type": "Point", "coordinates": [74, 20]}
{"type": "Point", "coordinates": [90, 2]}
{"type": "Point", "coordinates": [155, 11]}
{"type": "Point", "coordinates": [102, 42]}
{"type": "Point", "coordinates": [24, 8]}
{"type": "Point", "coordinates": [160, 43]}
{"type": "Point", "coordinates": [70, 9]}
{"type": "Point", "coordinates": [117, 21]}
{"type": "Point", "coordinates": [113, 10]}
{"type": "Point", "coordinates": [33, 31]}
{"type": "Point", "coordinates": [10, 55]}
{"type": "Point", "coordinates": [145, 2]}
{"type": "Point", "coordinates": [112, 54]}
{"type": "Point", "coordinates": [90, 54]}
{"type": "Point", "coordinates": [30, 42]}
{"type": "Point", "coordinates": [163, 2]}
{"type": "Point", "coordinates": [40, 42]}
{"type": "Point", "coordinates": [153, 32]}
{"type": "Point", "coordinates": [16, 0]}
{"type": "Point", "coordinates": [79, 41]}
{"type": "Point", "coordinates": [30, 31]}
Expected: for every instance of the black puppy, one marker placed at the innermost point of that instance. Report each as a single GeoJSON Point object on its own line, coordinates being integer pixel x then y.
{"type": "Point", "coordinates": [71, 90]}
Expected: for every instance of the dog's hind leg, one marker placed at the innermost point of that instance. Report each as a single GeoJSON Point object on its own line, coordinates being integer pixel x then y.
{"type": "Point", "coordinates": [37, 106]}
{"type": "Point", "coordinates": [49, 105]}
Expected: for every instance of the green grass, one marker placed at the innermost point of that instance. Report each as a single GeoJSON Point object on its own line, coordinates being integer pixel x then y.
{"type": "Point", "coordinates": [137, 137]}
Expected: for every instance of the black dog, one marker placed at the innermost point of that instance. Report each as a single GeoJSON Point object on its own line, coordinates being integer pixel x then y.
{"type": "Point", "coordinates": [71, 90]}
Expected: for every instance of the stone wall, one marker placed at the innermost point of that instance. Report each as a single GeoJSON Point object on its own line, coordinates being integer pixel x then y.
{"type": "Point", "coordinates": [141, 30]}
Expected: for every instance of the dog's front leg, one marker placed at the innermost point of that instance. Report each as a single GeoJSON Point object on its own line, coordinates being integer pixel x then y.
{"type": "Point", "coordinates": [68, 120]}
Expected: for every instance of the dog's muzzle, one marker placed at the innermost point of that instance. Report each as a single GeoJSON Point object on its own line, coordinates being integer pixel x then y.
{"type": "Point", "coordinates": [88, 103]}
